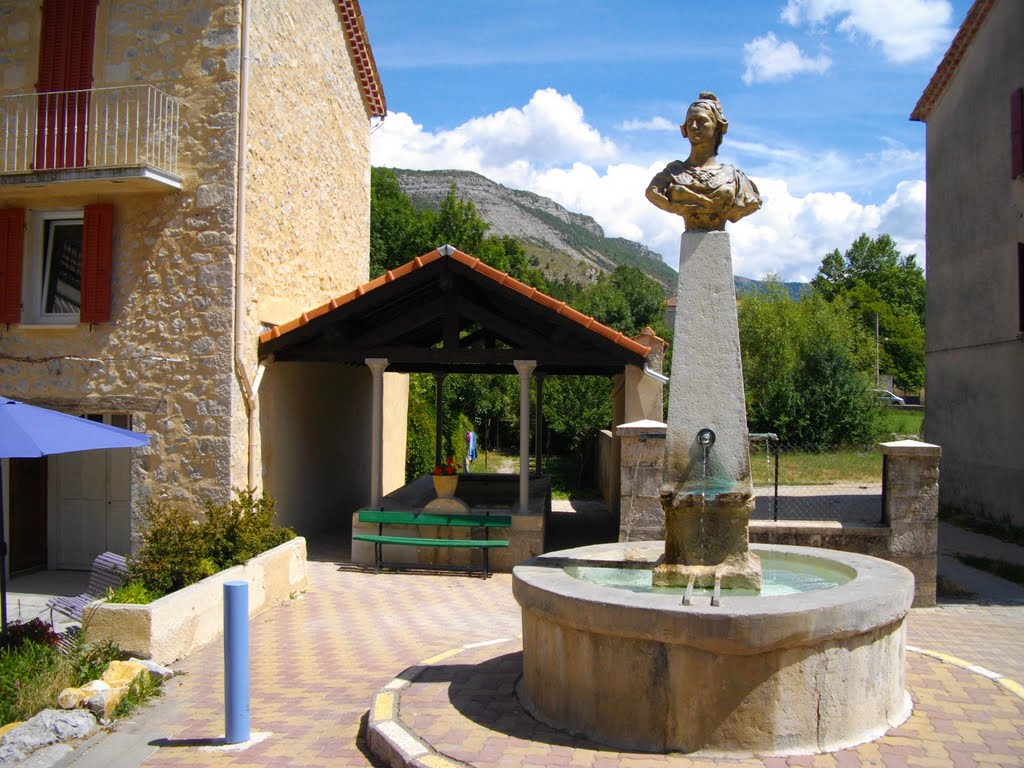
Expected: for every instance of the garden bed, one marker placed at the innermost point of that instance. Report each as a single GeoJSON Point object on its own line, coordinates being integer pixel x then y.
{"type": "Point", "coordinates": [178, 624]}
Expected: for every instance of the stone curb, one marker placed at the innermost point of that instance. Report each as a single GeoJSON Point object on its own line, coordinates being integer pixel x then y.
{"type": "Point", "coordinates": [393, 742]}
{"type": "Point", "coordinates": [389, 738]}
{"type": "Point", "coordinates": [1008, 683]}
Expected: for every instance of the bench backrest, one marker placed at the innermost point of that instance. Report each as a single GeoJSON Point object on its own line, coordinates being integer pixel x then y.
{"type": "Point", "coordinates": [108, 570]}
{"type": "Point", "coordinates": [431, 518]}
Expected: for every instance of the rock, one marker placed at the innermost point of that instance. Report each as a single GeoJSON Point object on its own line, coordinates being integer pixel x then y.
{"type": "Point", "coordinates": [121, 674]}
{"type": "Point", "coordinates": [45, 728]}
{"type": "Point", "coordinates": [71, 698]}
{"type": "Point", "coordinates": [102, 703]}
{"type": "Point", "coordinates": [5, 728]}
{"type": "Point", "coordinates": [157, 672]}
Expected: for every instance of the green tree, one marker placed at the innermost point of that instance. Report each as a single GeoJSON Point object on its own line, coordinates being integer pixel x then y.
{"type": "Point", "coordinates": [885, 291]}
{"type": "Point", "coordinates": [803, 364]}
{"type": "Point", "coordinates": [398, 232]}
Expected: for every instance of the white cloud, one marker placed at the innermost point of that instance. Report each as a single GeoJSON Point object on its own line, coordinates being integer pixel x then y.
{"type": "Point", "coordinates": [802, 219]}
{"type": "Point", "coordinates": [654, 124]}
{"type": "Point", "coordinates": [906, 30]}
{"type": "Point", "coordinates": [770, 60]}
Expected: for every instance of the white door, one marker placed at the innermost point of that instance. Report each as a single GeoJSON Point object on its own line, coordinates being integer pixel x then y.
{"type": "Point", "coordinates": [93, 506]}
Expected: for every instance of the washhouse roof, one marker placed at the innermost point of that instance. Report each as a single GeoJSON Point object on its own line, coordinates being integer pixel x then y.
{"type": "Point", "coordinates": [447, 311]}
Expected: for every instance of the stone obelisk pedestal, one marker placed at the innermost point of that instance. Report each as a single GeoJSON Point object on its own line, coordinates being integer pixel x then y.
{"type": "Point", "coordinates": [707, 496]}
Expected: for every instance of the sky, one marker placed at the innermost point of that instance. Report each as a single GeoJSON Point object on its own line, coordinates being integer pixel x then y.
{"type": "Point", "coordinates": [581, 101]}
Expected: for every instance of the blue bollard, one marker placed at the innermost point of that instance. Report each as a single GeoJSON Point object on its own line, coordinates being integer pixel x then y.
{"type": "Point", "coordinates": [236, 662]}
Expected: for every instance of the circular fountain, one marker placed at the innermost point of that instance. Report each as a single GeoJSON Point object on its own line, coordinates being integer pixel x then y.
{"type": "Point", "coordinates": [736, 671]}
{"type": "Point", "coordinates": [799, 673]}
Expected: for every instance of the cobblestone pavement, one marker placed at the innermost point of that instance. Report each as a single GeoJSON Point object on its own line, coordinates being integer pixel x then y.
{"type": "Point", "coordinates": [318, 660]}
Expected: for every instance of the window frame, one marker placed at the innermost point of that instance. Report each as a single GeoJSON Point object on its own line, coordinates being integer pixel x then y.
{"type": "Point", "coordinates": [37, 265]}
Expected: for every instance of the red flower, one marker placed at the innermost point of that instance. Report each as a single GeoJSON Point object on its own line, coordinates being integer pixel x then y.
{"type": "Point", "coordinates": [448, 468]}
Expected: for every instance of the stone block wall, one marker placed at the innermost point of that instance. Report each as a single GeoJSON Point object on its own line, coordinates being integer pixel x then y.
{"type": "Point", "coordinates": [165, 355]}
{"type": "Point", "coordinates": [641, 517]}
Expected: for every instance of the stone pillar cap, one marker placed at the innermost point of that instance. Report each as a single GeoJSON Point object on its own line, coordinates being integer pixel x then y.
{"type": "Point", "coordinates": [909, 448]}
{"type": "Point", "coordinates": [643, 425]}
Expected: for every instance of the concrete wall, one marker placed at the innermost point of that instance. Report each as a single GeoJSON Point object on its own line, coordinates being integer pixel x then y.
{"type": "Point", "coordinates": [975, 353]}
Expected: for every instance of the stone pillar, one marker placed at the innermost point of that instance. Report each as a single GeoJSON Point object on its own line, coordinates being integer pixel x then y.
{"type": "Point", "coordinates": [644, 394]}
{"type": "Point", "coordinates": [525, 368]}
{"type": "Point", "coordinates": [642, 444]}
{"type": "Point", "coordinates": [707, 493]}
{"type": "Point", "coordinates": [707, 372]}
{"type": "Point", "coordinates": [377, 366]}
{"type": "Point", "coordinates": [910, 507]}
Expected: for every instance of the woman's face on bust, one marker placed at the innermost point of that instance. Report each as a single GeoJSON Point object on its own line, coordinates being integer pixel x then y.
{"type": "Point", "coordinates": [700, 126]}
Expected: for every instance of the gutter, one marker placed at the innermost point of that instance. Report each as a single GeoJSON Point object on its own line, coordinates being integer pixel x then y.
{"type": "Point", "coordinates": [655, 375]}
{"type": "Point", "coordinates": [248, 388]}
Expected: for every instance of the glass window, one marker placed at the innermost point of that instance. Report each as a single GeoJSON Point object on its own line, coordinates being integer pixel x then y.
{"type": "Point", "coordinates": [52, 290]}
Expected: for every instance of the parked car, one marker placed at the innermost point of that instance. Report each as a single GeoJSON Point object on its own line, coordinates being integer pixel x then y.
{"type": "Point", "coordinates": [885, 397]}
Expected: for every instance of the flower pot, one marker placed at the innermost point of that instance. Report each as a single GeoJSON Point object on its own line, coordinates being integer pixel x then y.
{"type": "Point", "coordinates": [445, 485]}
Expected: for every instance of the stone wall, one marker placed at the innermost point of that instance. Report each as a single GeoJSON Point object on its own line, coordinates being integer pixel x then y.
{"type": "Point", "coordinates": [168, 343]}
{"type": "Point", "coordinates": [166, 355]}
{"type": "Point", "coordinates": [641, 517]}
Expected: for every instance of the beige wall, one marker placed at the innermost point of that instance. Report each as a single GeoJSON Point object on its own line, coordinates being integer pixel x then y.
{"type": "Point", "coordinates": [308, 180]}
{"type": "Point", "coordinates": [975, 220]}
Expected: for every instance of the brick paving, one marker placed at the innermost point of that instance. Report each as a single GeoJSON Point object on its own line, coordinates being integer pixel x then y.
{"type": "Point", "coordinates": [318, 660]}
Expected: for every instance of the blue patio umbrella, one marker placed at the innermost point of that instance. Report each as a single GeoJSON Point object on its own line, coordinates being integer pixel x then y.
{"type": "Point", "coordinates": [27, 431]}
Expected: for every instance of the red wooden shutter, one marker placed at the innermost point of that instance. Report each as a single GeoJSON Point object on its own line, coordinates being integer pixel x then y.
{"type": "Point", "coordinates": [65, 64]}
{"type": "Point", "coordinates": [97, 244]}
{"type": "Point", "coordinates": [12, 231]}
{"type": "Point", "coordinates": [1017, 131]}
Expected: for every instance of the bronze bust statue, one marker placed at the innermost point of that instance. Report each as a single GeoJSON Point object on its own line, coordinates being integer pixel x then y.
{"type": "Point", "coordinates": [701, 190]}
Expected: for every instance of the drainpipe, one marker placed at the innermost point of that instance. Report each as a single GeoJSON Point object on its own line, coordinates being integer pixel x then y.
{"type": "Point", "coordinates": [248, 391]}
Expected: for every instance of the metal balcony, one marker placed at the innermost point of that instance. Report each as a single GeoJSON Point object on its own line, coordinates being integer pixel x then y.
{"type": "Point", "coordinates": [121, 135]}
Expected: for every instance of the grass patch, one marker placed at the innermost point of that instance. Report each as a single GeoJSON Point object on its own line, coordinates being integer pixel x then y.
{"type": "Point", "coordinates": [1010, 571]}
{"type": "Point", "coordinates": [33, 671]}
{"type": "Point", "coordinates": [900, 421]}
{"type": "Point", "coordinates": [807, 468]}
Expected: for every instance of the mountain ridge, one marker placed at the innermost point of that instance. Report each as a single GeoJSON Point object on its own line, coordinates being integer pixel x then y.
{"type": "Point", "coordinates": [562, 243]}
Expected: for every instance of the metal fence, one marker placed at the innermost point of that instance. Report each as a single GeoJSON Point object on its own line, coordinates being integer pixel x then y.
{"type": "Point", "coordinates": [96, 128]}
{"type": "Point", "coordinates": [824, 483]}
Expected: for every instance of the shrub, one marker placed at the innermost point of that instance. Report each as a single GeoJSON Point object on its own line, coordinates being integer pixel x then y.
{"type": "Point", "coordinates": [131, 593]}
{"type": "Point", "coordinates": [173, 552]}
{"type": "Point", "coordinates": [37, 631]}
{"type": "Point", "coordinates": [178, 550]}
{"type": "Point", "coordinates": [241, 529]}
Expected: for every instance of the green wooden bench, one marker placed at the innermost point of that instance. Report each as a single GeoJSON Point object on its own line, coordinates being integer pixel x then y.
{"type": "Point", "coordinates": [383, 517]}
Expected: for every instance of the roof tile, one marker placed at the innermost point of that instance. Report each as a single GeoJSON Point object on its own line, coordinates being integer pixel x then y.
{"type": "Point", "coordinates": [476, 265]}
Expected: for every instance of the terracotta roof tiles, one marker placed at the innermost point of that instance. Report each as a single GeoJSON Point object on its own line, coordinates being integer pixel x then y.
{"type": "Point", "coordinates": [366, 68]}
{"type": "Point", "coordinates": [473, 263]}
{"type": "Point", "coordinates": [951, 61]}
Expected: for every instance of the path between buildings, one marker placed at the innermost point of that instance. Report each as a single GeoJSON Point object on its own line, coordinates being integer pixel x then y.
{"type": "Point", "coordinates": [318, 660]}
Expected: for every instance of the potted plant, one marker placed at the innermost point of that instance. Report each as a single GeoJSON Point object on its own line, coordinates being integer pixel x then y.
{"type": "Point", "coordinates": [446, 478]}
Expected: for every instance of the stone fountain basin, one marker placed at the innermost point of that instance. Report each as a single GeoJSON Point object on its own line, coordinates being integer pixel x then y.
{"type": "Point", "coordinates": [794, 674]}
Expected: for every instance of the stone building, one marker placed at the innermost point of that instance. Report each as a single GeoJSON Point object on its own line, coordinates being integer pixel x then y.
{"type": "Point", "coordinates": [974, 361]}
{"type": "Point", "coordinates": [176, 178]}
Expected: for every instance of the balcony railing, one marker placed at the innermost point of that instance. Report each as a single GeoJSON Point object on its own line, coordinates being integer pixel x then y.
{"type": "Point", "coordinates": [98, 128]}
